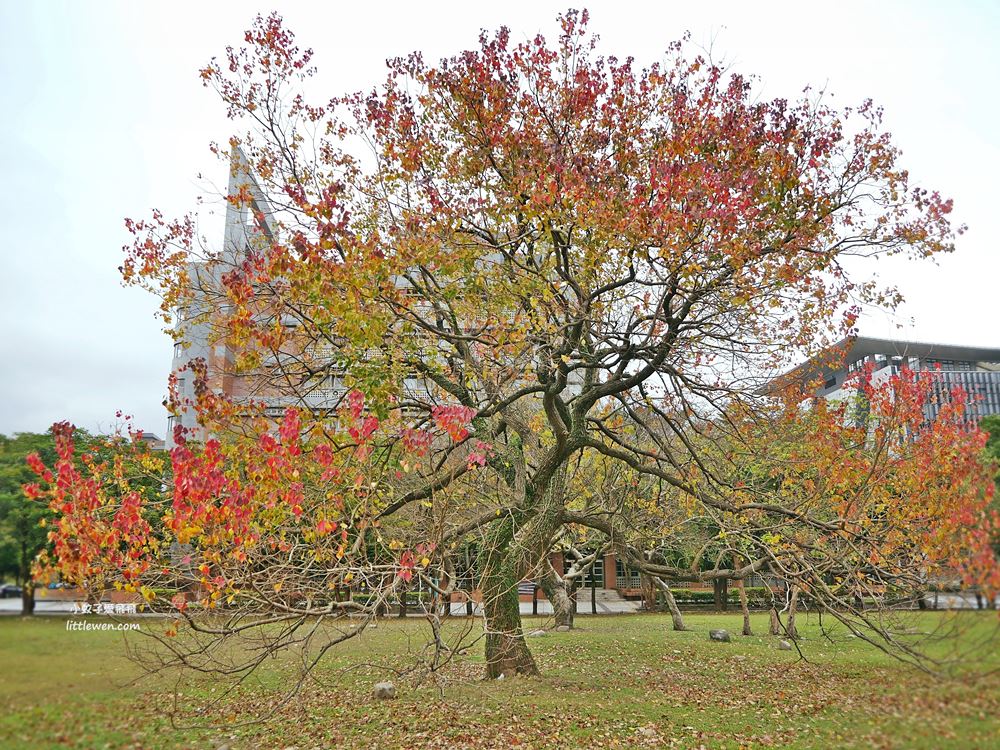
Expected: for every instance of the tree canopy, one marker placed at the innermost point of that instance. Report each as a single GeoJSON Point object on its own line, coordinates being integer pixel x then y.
{"type": "Point", "coordinates": [526, 256]}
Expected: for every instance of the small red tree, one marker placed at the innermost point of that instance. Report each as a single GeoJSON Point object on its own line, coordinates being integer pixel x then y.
{"type": "Point", "coordinates": [272, 529]}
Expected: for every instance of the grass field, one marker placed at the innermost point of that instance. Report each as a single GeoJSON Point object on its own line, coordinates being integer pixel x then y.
{"type": "Point", "coordinates": [626, 681]}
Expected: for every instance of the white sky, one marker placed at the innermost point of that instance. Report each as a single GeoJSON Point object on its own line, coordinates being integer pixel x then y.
{"type": "Point", "coordinates": [104, 117]}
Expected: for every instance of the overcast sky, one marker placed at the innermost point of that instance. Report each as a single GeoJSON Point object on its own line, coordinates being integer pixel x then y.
{"type": "Point", "coordinates": [104, 117]}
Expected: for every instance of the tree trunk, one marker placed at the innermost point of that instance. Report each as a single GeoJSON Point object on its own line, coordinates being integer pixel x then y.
{"type": "Point", "coordinates": [555, 588]}
{"type": "Point", "coordinates": [775, 628]}
{"type": "Point", "coordinates": [507, 653]}
{"type": "Point", "coordinates": [28, 598]}
{"type": "Point", "coordinates": [648, 595]}
{"type": "Point", "coordinates": [503, 564]}
{"type": "Point", "coordinates": [720, 589]}
{"type": "Point", "coordinates": [514, 547]}
{"type": "Point", "coordinates": [27, 583]}
{"type": "Point", "coordinates": [744, 607]}
{"type": "Point", "coordinates": [675, 612]}
{"type": "Point", "coordinates": [793, 604]}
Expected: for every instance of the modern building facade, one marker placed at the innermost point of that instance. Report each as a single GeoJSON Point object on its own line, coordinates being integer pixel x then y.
{"type": "Point", "coordinates": [975, 369]}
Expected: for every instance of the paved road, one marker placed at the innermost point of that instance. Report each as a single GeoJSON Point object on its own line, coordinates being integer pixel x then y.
{"type": "Point", "coordinates": [43, 607]}
{"type": "Point", "coordinates": [544, 608]}
{"type": "Point", "coordinates": [955, 601]}
{"type": "Point", "coordinates": [944, 601]}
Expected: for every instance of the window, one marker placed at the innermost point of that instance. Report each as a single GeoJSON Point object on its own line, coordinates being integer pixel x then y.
{"type": "Point", "coordinates": [595, 574]}
{"type": "Point", "coordinates": [858, 364]}
{"type": "Point", "coordinates": [626, 577]}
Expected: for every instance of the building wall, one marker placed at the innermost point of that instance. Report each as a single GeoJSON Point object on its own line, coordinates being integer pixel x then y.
{"type": "Point", "coordinates": [982, 387]}
{"type": "Point", "coordinates": [245, 226]}
{"type": "Point", "coordinates": [975, 369]}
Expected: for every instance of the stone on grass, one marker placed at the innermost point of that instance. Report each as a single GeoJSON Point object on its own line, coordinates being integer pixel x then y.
{"type": "Point", "coordinates": [784, 646]}
{"type": "Point", "coordinates": [719, 635]}
{"type": "Point", "coordinates": [563, 629]}
{"type": "Point", "coordinates": [535, 633]}
{"type": "Point", "coordinates": [385, 690]}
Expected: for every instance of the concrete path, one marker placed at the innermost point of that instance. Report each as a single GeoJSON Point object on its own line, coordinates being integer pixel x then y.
{"type": "Point", "coordinates": [12, 606]}
{"type": "Point", "coordinates": [544, 608]}
{"type": "Point", "coordinates": [43, 607]}
{"type": "Point", "coordinates": [962, 600]}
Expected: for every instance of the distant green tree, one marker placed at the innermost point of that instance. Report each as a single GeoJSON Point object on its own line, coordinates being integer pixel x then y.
{"type": "Point", "coordinates": [22, 534]}
{"type": "Point", "coordinates": [991, 425]}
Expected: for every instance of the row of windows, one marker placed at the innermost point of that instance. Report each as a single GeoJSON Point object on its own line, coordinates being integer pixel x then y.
{"type": "Point", "coordinates": [913, 363]}
{"type": "Point", "coordinates": [949, 364]}
{"type": "Point", "coordinates": [983, 389]}
{"type": "Point", "coordinates": [883, 360]}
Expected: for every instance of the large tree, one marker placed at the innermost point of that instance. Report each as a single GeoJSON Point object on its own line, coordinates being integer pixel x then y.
{"type": "Point", "coordinates": [522, 254]}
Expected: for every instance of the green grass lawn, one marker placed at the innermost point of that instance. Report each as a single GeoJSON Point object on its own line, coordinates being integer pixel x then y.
{"type": "Point", "coordinates": [625, 681]}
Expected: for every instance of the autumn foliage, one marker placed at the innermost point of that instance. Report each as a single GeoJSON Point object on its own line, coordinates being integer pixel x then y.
{"type": "Point", "coordinates": [875, 498]}
{"type": "Point", "coordinates": [525, 256]}
{"type": "Point", "coordinates": [251, 519]}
